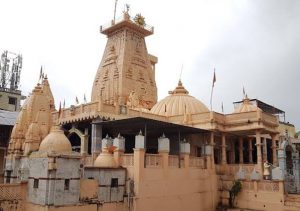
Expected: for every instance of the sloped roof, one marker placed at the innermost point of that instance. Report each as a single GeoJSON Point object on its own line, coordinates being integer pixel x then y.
{"type": "Point", "coordinates": [8, 117]}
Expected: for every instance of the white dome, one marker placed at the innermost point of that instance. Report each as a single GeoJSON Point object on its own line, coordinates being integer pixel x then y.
{"type": "Point", "coordinates": [179, 102]}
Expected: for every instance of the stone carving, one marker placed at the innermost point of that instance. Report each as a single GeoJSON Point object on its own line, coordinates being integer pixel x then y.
{"type": "Point", "coordinates": [267, 173]}
{"type": "Point", "coordinates": [125, 55]}
{"type": "Point", "coordinates": [133, 100]}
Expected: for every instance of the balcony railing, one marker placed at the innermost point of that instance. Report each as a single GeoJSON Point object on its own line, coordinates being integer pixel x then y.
{"type": "Point", "coordinates": [153, 160]}
{"type": "Point", "coordinates": [126, 160]}
{"type": "Point", "coordinates": [197, 162]}
{"type": "Point", "coordinates": [173, 161]}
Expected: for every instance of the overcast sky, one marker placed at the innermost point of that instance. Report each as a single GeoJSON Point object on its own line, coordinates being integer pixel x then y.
{"type": "Point", "coordinates": [254, 44]}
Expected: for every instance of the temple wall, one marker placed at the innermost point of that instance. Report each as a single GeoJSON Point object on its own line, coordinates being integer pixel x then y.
{"type": "Point", "coordinates": [79, 207]}
{"type": "Point", "coordinates": [255, 195]}
{"type": "Point", "coordinates": [51, 174]}
{"type": "Point", "coordinates": [108, 192]}
{"type": "Point", "coordinates": [177, 189]}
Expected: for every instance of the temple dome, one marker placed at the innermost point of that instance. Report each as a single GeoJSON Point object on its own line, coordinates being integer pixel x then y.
{"type": "Point", "coordinates": [246, 106]}
{"type": "Point", "coordinates": [56, 141]}
{"type": "Point", "coordinates": [105, 160]}
{"type": "Point", "coordinates": [179, 102]}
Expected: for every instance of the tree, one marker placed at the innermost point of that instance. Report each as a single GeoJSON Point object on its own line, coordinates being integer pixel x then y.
{"type": "Point", "coordinates": [233, 192]}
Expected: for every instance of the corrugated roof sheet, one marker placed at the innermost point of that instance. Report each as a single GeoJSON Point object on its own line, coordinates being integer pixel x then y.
{"type": "Point", "coordinates": [8, 117]}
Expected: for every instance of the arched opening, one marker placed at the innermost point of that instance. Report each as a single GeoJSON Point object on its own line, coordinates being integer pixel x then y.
{"type": "Point", "coordinates": [289, 159]}
{"type": "Point", "coordinates": [75, 142]}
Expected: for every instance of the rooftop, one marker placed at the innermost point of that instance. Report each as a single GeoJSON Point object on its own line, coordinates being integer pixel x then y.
{"type": "Point", "coordinates": [8, 117]}
{"type": "Point", "coordinates": [263, 106]}
{"type": "Point", "coordinates": [126, 21]}
{"type": "Point", "coordinates": [132, 126]}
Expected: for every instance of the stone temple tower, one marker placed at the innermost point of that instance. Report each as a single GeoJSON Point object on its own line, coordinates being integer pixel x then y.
{"type": "Point", "coordinates": [126, 74]}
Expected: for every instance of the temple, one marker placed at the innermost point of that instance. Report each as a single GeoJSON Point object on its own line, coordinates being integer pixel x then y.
{"type": "Point", "coordinates": [125, 151]}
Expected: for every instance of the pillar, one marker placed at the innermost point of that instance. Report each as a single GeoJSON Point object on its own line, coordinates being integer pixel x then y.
{"type": "Point", "coordinates": [274, 150]}
{"type": "Point", "coordinates": [138, 160]}
{"type": "Point", "coordinates": [163, 150]}
{"type": "Point", "coordinates": [85, 144]}
{"type": "Point", "coordinates": [185, 150]}
{"type": "Point", "coordinates": [224, 159]}
{"type": "Point", "coordinates": [233, 152]}
{"type": "Point", "coordinates": [138, 167]}
{"type": "Point", "coordinates": [119, 144]}
{"type": "Point", "coordinates": [250, 150]}
{"type": "Point", "coordinates": [96, 140]}
{"type": "Point", "coordinates": [212, 156]}
{"type": "Point", "coordinates": [265, 150]}
{"type": "Point", "coordinates": [258, 148]}
{"type": "Point", "coordinates": [241, 154]}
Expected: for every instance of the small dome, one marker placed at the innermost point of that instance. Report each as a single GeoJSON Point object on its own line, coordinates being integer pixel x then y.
{"type": "Point", "coordinates": [56, 141]}
{"type": "Point", "coordinates": [246, 106]}
{"type": "Point", "coordinates": [105, 160]}
{"type": "Point", "coordinates": [179, 102]}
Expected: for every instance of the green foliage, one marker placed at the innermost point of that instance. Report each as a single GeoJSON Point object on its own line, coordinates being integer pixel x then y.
{"type": "Point", "coordinates": [234, 191]}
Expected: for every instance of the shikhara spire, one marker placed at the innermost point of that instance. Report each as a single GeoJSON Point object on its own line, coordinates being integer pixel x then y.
{"type": "Point", "coordinates": [126, 70]}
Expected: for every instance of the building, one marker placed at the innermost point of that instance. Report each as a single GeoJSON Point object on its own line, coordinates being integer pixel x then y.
{"type": "Point", "coordinates": [10, 99]}
{"type": "Point", "coordinates": [126, 151]}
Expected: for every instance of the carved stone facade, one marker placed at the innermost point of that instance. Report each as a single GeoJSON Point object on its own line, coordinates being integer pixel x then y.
{"type": "Point", "coordinates": [126, 70]}
{"type": "Point", "coordinates": [34, 121]}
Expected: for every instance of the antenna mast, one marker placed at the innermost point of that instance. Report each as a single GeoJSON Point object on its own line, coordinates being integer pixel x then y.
{"type": "Point", "coordinates": [10, 70]}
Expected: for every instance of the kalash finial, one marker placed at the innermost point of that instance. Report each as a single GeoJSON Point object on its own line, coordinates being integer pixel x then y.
{"type": "Point", "coordinates": [179, 81]}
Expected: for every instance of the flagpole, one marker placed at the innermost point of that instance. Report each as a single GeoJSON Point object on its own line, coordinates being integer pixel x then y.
{"type": "Point", "coordinates": [211, 94]}
{"type": "Point", "coordinates": [212, 89]}
{"type": "Point", "coordinates": [115, 10]}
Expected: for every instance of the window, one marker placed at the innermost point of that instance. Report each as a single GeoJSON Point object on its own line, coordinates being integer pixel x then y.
{"type": "Point", "coordinates": [114, 183]}
{"type": "Point", "coordinates": [35, 183]}
{"type": "Point", "coordinates": [67, 184]}
{"type": "Point", "coordinates": [12, 100]}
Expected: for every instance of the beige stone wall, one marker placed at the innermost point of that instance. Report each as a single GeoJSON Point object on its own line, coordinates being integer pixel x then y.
{"type": "Point", "coordinates": [79, 207]}
{"type": "Point", "coordinates": [4, 96]}
{"type": "Point", "coordinates": [256, 195]}
{"type": "Point", "coordinates": [13, 197]}
{"type": "Point", "coordinates": [289, 128]}
{"type": "Point", "coordinates": [176, 190]}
